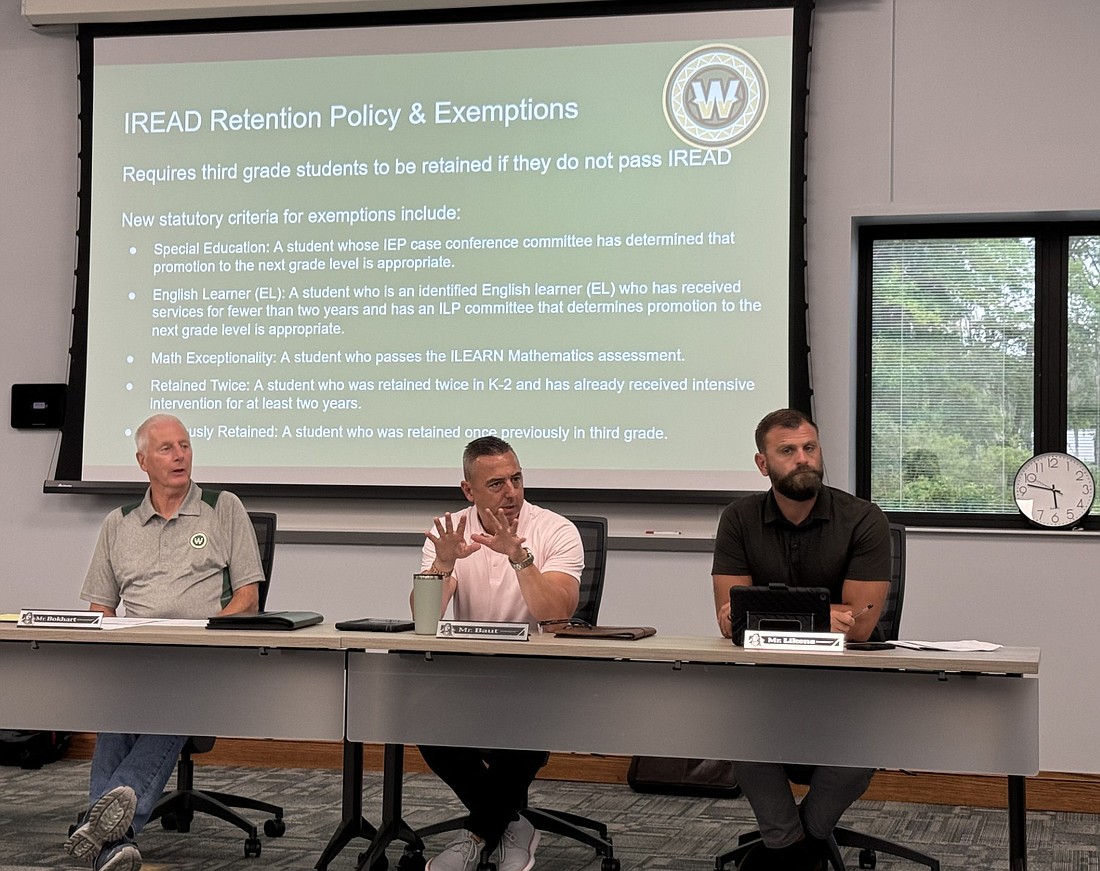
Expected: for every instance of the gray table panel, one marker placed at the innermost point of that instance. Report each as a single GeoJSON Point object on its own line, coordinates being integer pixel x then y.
{"type": "Point", "coordinates": [887, 719]}
{"type": "Point", "coordinates": [226, 691]}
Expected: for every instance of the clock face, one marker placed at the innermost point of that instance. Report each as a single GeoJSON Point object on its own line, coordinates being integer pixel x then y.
{"type": "Point", "coordinates": [1054, 490]}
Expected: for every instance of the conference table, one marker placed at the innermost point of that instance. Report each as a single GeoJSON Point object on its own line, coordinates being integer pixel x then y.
{"type": "Point", "coordinates": [973, 712]}
{"type": "Point", "coordinates": [176, 680]}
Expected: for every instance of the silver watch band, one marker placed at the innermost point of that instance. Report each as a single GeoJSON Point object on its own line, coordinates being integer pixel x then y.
{"type": "Point", "coordinates": [525, 562]}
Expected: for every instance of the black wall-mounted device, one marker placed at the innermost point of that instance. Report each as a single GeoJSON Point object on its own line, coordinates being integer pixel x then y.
{"type": "Point", "coordinates": [37, 406]}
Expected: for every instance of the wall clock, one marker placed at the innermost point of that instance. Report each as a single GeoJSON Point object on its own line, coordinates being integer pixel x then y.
{"type": "Point", "coordinates": [1054, 490]}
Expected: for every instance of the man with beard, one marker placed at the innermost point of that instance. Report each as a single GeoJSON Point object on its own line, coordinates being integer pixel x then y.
{"type": "Point", "coordinates": [801, 533]}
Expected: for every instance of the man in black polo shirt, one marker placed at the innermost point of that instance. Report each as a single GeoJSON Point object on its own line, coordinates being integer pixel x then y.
{"type": "Point", "coordinates": [803, 534]}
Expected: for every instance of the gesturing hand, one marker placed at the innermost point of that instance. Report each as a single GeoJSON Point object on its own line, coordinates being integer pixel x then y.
{"type": "Point", "coordinates": [450, 541]}
{"type": "Point", "coordinates": [500, 534]}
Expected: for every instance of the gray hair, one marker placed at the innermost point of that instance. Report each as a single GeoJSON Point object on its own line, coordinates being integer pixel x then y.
{"type": "Point", "coordinates": [141, 437]}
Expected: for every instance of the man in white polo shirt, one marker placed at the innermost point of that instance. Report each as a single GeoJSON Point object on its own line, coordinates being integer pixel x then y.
{"type": "Point", "coordinates": [505, 560]}
{"type": "Point", "coordinates": [180, 552]}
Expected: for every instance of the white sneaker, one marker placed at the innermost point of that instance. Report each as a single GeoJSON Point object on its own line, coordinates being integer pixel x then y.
{"type": "Point", "coordinates": [123, 856]}
{"type": "Point", "coordinates": [463, 855]}
{"type": "Point", "coordinates": [517, 846]}
{"type": "Point", "coordinates": [107, 820]}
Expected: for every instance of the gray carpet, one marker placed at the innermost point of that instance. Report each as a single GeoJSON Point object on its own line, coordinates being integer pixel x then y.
{"type": "Point", "coordinates": [651, 833]}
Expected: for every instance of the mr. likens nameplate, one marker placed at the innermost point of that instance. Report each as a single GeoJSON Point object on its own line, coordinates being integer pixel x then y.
{"type": "Point", "coordinates": [482, 631]}
{"type": "Point", "coordinates": [760, 639]}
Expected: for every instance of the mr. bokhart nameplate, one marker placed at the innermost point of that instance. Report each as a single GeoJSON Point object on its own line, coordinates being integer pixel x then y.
{"type": "Point", "coordinates": [482, 631]}
{"type": "Point", "coordinates": [60, 619]}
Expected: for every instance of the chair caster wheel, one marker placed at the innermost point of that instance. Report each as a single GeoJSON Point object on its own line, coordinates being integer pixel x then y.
{"type": "Point", "coordinates": [867, 858]}
{"type": "Point", "coordinates": [168, 822]}
{"type": "Point", "coordinates": [252, 847]}
{"type": "Point", "coordinates": [609, 864]}
{"type": "Point", "coordinates": [274, 828]}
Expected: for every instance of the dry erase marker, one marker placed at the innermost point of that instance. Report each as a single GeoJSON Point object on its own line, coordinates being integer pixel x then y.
{"type": "Point", "coordinates": [861, 611]}
{"type": "Point", "coordinates": [662, 532]}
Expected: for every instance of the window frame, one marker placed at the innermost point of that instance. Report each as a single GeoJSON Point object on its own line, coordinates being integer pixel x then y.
{"type": "Point", "coordinates": [1049, 360]}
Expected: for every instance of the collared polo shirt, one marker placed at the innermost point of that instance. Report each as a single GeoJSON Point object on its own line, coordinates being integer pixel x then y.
{"type": "Point", "coordinates": [843, 538]}
{"type": "Point", "coordinates": [186, 567]}
{"type": "Point", "coordinates": [487, 585]}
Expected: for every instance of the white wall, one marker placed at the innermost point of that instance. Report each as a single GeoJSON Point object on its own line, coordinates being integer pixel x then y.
{"type": "Point", "coordinates": [917, 107]}
{"type": "Point", "coordinates": [927, 107]}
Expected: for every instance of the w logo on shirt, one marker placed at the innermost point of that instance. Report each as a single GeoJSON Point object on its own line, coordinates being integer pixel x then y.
{"type": "Point", "coordinates": [198, 540]}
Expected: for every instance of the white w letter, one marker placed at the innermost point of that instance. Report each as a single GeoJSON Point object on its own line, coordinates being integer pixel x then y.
{"type": "Point", "coordinates": [713, 100]}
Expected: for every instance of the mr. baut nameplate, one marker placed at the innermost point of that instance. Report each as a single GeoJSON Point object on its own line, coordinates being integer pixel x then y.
{"type": "Point", "coordinates": [482, 631]}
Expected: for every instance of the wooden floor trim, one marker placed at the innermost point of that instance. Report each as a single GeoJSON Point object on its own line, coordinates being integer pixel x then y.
{"type": "Point", "coordinates": [1049, 790]}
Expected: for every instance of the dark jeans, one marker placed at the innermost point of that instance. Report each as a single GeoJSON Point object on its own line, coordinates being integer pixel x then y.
{"type": "Point", "coordinates": [492, 784]}
{"type": "Point", "coordinates": [143, 762]}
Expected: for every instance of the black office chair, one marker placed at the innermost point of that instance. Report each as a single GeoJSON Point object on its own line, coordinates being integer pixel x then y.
{"type": "Point", "coordinates": [889, 628]}
{"type": "Point", "coordinates": [177, 808]}
{"type": "Point", "coordinates": [593, 531]}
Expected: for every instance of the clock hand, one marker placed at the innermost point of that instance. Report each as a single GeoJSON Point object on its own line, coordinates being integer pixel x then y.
{"type": "Point", "coordinates": [1054, 491]}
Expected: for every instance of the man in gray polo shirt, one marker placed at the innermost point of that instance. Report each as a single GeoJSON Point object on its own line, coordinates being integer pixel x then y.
{"type": "Point", "coordinates": [802, 534]}
{"type": "Point", "coordinates": [183, 553]}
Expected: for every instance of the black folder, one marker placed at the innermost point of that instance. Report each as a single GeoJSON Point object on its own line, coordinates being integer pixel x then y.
{"type": "Point", "coordinates": [265, 620]}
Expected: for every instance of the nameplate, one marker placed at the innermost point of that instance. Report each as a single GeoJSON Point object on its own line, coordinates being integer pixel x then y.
{"type": "Point", "coordinates": [824, 642]}
{"type": "Point", "coordinates": [61, 619]}
{"type": "Point", "coordinates": [482, 631]}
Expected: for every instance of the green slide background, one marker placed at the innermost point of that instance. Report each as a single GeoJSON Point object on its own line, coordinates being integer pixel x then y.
{"type": "Point", "coordinates": [618, 90]}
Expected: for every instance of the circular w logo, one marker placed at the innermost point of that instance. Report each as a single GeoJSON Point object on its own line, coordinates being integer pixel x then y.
{"type": "Point", "coordinates": [715, 96]}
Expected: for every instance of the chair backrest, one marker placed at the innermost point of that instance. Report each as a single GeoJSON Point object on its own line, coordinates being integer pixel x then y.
{"type": "Point", "coordinates": [890, 621]}
{"type": "Point", "coordinates": [264, 524]}
{"type": "Point", "coordinates": [593, 532]}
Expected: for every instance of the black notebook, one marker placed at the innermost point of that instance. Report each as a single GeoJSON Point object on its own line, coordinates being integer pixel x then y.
{"type": "Point", "coordinates": [265, 620]}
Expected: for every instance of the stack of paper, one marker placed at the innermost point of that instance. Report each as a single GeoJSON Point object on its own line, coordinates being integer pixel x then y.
{"type": "Point", "coordinates": [947, 645]}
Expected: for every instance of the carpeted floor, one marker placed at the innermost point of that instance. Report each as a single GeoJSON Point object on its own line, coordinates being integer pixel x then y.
{"type": "Point", "coordinates": [651, 833]}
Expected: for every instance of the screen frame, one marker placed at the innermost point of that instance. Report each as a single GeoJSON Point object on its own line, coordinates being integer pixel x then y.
{"type": "Point", "coordinates": [67, 476]}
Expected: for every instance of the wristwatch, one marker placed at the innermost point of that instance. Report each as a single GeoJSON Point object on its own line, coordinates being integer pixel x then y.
{"type": "Point", "coordinates": [525, 562]}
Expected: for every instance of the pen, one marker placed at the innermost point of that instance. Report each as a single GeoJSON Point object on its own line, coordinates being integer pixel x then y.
{"type": "Point", "coordinates": [862, 611]}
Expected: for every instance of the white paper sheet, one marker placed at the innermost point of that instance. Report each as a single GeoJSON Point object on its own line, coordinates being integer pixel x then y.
{"type": "Point", "coordinates": [126, 622]}
{"type": "Point", "coordinates": [948, 645]}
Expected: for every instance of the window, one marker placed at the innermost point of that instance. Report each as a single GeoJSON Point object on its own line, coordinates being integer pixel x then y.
{"type": "Point", "coordinates": [1083, 344]}
{"type": "Point", "coordinates": [979, 346]}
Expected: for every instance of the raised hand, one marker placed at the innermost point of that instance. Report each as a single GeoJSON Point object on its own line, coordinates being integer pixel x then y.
{"type": "Point", "coordinates": [501, 534]}
{"type": "Point", "coordinates": [450, 542]}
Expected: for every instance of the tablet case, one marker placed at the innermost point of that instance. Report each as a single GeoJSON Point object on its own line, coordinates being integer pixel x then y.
{"type": "Point", "coordinates": [777, 606]}
{"type": "Point", "coordinates": [375, 624]}
{"type": "Point", "coordinates": [623, 633]}
{"type": "Point", "coordinates": [265, 620]}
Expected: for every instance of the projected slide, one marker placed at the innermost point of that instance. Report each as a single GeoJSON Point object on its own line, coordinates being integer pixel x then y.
{"type": "Point", "coordinates": [338, 256]}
